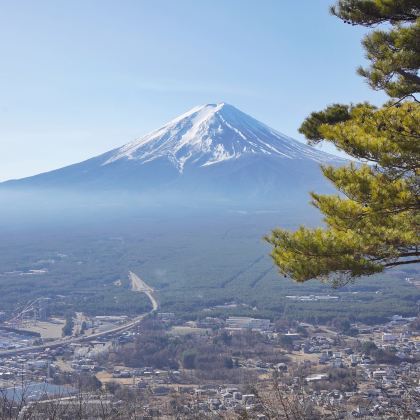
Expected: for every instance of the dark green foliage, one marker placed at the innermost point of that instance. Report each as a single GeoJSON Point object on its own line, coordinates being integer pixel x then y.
{"type": "Point", "coordinates": [147, 352]}
{"type": "Point", "coordinates": [188, 360]}
{"type": "Point", "coordinates": [352, 332]}
{"type": "Point", "coordinates": [395, 58]}
{"type": "Point", "coordinates": [386, 357]}
{"type": "Point", "coordinates": [286, 341]}
{"type": "Point", "coordinates": [342, 379]}
{"type": "Point", "coordinates": [68, 326]}
{"type": "Point", "coordinates": [86, 382]}
{"type": "Point", "coordinates": [415, 325]}
{"type": "Point", "coordinates": [226, 338]}
{"type": "Point", "coordinates": [228, 363]}
{"type": "Point", "coordinates": [369, 347]}
{"type": "Point", "coordinates": [151, 348]}
{"type": "Point", "coordinates": [333, 114]}
{"type": "Point", "coordinates": [394, 53]}
{"type": "Point", "coordinates": [373, 223]}
{"type": "Point", "coordinates": [372, 12]}
{"type": "Point", "coordinates": [113, 387]}
{"type": "Point", "coordinates": [186, 263]}
{"type": "Point", "coordinates": [302, 331]}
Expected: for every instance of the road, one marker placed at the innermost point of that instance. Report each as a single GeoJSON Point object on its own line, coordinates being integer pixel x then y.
{"type": "Point", "coordinates": [137, 285]}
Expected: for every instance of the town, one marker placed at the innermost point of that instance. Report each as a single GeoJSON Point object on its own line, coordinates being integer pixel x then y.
{"type": "Point", "coordinates": [219, 368]}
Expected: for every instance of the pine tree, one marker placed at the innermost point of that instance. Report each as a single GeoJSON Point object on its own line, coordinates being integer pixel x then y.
{"type": "Point", "coordinates": [394, 54]}
{"type": "Point", "coordinates": [373, 222]}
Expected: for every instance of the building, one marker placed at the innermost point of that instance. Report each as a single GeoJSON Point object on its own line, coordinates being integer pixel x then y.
{"type": "Point", "coordinates": [246, 323]}
{"type": "Point", "coordinates": [387, 337]}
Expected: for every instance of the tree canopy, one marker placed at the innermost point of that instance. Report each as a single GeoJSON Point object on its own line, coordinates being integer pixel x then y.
{"type": "Point", "coordinates": [394, 54]}
{"type": "Point", "coordinates": [373, 222]}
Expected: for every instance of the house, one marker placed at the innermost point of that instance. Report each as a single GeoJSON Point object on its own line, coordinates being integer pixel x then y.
{"type": "Point", "coordinates": [315, 378]}
{"type": "Point", "coordinates": [248, 399]}
{"type": "Point", "coordinates": [389, 337]}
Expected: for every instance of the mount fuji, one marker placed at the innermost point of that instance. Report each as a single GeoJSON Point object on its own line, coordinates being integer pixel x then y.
{"type": "Point", "coordinates": [212, 152]}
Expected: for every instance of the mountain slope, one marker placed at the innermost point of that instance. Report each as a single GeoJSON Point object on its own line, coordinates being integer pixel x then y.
{"type": "Point", "coordinates": [213, 151]}
{"type": "Point", "coordinates": [210, 134]}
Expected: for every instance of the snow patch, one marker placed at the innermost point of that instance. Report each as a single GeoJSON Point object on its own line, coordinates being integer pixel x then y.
{"type": "Point", "coordinates": [211, 134]}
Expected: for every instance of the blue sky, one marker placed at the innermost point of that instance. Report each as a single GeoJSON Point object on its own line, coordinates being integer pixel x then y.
{"type": "Point", "coordinates": [78, 78]}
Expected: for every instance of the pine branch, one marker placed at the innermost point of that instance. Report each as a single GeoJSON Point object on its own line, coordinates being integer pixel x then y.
{"type": "Point", "coordinates": [393, 264]}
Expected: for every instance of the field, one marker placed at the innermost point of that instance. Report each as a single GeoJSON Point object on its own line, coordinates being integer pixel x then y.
{"type": "Point", "coordinates": [201, 264]}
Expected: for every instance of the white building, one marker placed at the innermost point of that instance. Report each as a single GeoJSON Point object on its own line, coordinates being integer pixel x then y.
{"type": "Point", "coordinates": [241, 323]}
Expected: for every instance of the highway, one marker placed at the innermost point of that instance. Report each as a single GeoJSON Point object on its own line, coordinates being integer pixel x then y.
{"type": "Point", "coordinates": [137, 285]}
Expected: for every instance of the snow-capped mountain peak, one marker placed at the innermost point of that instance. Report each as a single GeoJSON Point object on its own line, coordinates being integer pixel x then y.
{"type": "Point", "coordinates": [210, 134]}
{"type": "Point", "coordinates": [213, 155]}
